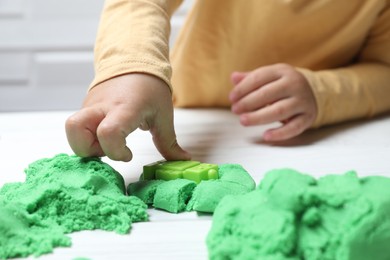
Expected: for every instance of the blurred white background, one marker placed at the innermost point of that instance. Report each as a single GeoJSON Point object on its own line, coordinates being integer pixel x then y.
{"type": "Point", "coordinates": [46, 51]}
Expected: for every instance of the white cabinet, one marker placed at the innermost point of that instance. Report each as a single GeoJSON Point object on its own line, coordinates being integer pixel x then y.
{"type": "Point", "coordinates": [46, 51]}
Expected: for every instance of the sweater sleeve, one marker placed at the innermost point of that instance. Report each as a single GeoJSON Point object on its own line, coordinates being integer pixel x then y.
{"type": "Point", "coordinates": [133, 36]}
{"type": "Point", "coordinates": [360, 90]}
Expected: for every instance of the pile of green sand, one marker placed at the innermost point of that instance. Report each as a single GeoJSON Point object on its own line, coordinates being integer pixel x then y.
{"type": "Point", "coordinates": [61, 195]}
{"type": "Point", "coordinates": [294, 216]}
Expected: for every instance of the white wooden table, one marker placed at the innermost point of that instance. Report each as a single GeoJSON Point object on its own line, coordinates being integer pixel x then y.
{"type": "Point", "coordinates": [213, 136]}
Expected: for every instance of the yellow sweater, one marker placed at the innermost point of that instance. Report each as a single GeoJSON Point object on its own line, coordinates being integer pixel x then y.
{"type": "Point", "coordinates": [341, 47]}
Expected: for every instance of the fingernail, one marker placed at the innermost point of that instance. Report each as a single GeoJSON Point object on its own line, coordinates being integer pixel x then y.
{"type": "Point", "coordinates": [234, 109]}
{"type": "Point", "coordinates": [128, 157]}
{"type": "Point", "coordinates": [267, 136]}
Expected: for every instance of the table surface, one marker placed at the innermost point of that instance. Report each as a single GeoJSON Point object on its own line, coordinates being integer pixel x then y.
{"type": "Point", "coordinates": [210, 135]}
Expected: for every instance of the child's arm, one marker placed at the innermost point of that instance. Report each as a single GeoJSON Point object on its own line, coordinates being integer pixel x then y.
{"type": "Point", "coordinates": [133, 36]}
{"type": "Point", "coordinates": [301, 98]}
{"type": "Point", "coordinates": [131, 86]}
{"type": "Point", "coordinates": [361, 90]}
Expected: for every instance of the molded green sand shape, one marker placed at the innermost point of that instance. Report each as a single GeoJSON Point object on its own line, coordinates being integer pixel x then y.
{"type": "Point", "coordinates": [162, 185]}
{"type": "Point", "coordinates": [171, 170]}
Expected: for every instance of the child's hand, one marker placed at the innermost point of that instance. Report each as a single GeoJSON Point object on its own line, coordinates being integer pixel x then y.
{"type": "Point", "coordinates": [274, 93]}
{"type": "Point", "coordinates": [115, 108]}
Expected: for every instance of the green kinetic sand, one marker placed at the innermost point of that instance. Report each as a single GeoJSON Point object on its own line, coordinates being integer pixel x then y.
{"type": "Point", "coordinates": [294, 216]}
{"type": "Point", "coordinates": [173, 195]}
{"type": "Point", "coordinates": [233, 180]}
{"type": "Point", "coordinates": [144, 190]}
{"type": "Point", "coordinates": [22, 234]}
{"type": "Point", "coordinates": [63, 194]}
{"type": "Point", "coordinates": [163, 180]}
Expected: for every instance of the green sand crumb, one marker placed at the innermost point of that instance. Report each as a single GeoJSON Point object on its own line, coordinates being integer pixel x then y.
{"type": "Point", "coordinates": [144, 190]}
{"type": "Point", "coordinates": [173, 195]}
{"type": "Point", "coordinates": [294, 216]}
{"type": "Point", "coordinates": [64, 194]}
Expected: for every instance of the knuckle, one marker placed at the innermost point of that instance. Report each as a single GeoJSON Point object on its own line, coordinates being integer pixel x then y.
{"type": "Point", "coordinates": [284, 67]}
{"type": "Point", "coordinates": [266, 94]}
{"type": "Point", "coordinates": [248, 104]}
{"type": "Point", "coordinates": [255, 78]}
{"type": "Point", "coordinates": [297, 127]}
{"type": "Point", "coordinates": [237, 91]}
{"type": "Point", "coordinates": [287, 70]}
{"type": "Point", "coordinates": [107, 131]}
{"type": "Point", "coordinates": [285, 87]}
{"type": "Point", "coordinates": [296, 79]}
{"type": "Point", "coordinates": [72, 123]}
{"type": "Point", "coordinates": [244, 106]}
{"type": "Point", "coordinates": [280, 111]}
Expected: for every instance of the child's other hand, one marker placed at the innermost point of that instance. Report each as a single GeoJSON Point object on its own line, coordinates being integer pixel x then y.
{"type": "Point", "coordinates": [274, 93]}
{"type": "Point", "coordinates": [115, 108]}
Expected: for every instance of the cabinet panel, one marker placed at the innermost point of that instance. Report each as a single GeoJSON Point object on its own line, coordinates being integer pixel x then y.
{"type": "Point", "coordinates": [46, 51]}
{"type": "Point", "coordinates": [65, 10]}
{"type": "Point", "coordinates": [12, 8]}
{"type": "Point", "coordinates": [14, 67]}
{"type": "Point", "coordinates": [63, 69]}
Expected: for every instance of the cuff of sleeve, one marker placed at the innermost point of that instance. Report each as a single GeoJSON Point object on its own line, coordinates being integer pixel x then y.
{"type": "Point", "coordinates": [310, 77]}
{"type": "Point", "coordinates": [108, 72]}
